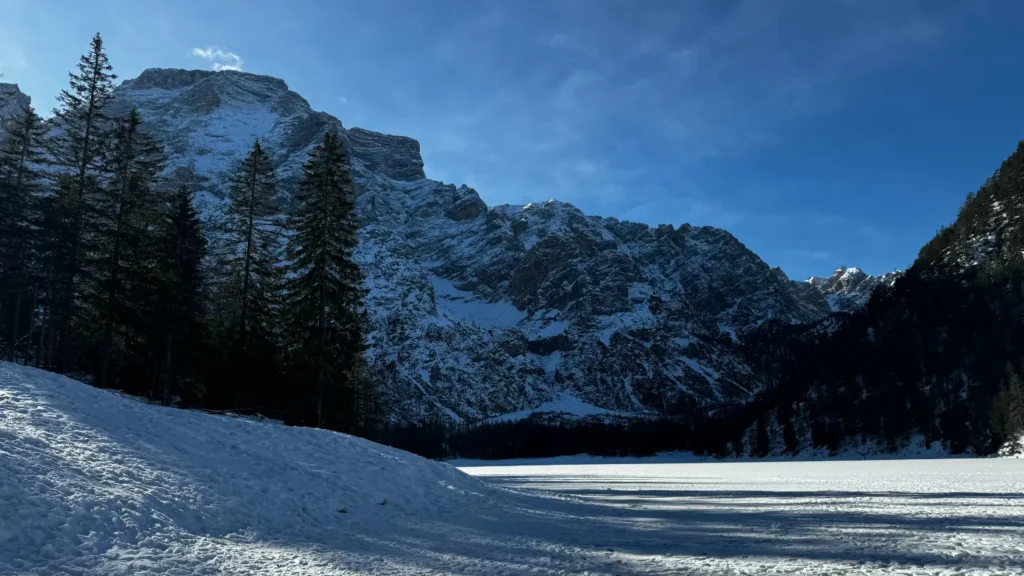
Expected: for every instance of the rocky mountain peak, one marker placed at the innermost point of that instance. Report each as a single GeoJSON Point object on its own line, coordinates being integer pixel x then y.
{"type": "Point", "coordinates": [849, 289]}
{"type": "Point", "coordinates": [209, 120]}
{"type": "Point", "coordinates": [396, 157]}
{"type": "Point", "coordinates": [842, 279]}
{"type": "Point", "coordinates": [12, 100]}
{"type": "Point", "coordinates": [166, 79]}
{"type": "Point", "coordinates": [177, 78]}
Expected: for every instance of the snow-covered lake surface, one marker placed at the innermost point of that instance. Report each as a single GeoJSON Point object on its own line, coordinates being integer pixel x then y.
{"type": "Point", "coordinates": [95, 483]}
{"type": "Point", "coordinates": [949, 516]}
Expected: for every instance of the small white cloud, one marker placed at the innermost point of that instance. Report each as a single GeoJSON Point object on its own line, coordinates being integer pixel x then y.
{"type": "Point", "coordinates": [342, 99]}
{"type": "Point", "coordinates": [220, 59]}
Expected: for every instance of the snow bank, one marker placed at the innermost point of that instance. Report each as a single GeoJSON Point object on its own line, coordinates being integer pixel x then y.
{"type": "Point", "coordinates": [99, 482]}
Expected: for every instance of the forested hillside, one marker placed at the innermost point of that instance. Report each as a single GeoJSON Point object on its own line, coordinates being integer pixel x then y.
{"type": "Point", "coordinates": [939, 353]}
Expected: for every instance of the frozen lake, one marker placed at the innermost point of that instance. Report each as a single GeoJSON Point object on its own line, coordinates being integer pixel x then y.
{"type": "Point", "coordinates": [949, 516]}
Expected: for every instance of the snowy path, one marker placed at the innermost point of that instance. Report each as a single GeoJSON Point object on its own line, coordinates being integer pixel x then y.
{"type": "Point", "coordinates": [93, 483]}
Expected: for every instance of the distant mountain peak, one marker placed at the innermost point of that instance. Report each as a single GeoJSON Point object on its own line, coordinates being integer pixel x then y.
{"type": "Point", "coordinates": [849, 288]}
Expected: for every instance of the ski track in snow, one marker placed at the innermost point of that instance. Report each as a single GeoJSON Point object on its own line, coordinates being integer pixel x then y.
{"type": "Point", "coordinates": [96, 483]}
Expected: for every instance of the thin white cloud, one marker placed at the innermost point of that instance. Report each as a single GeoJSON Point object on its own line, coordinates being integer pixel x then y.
{"type": "Point", "coordinates": [743, 79]}
{"type": "Point", "coordinates": [342, 99]}
{"type": "Point", "coordinates": [678, 88]}
{"type": "Point", "coordinates": [220, 59]}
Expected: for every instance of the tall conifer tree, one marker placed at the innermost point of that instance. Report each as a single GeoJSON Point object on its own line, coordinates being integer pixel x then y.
{"type": "Point", "coordinates": [122, 225]}
{"type": "Point", "coordinates": [324, 297]}
{"type": "Point", "coordinates": [249, 282]}
{"type": "Point", "coordinates": [77, 148]}
{"type": "Point", "coordinates": [20, 185]}
{"type": "Point", "coordinates": [180, 309]}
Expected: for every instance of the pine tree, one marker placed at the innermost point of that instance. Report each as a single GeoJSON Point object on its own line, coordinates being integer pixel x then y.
{"type": "Point", "coordinates": [121, 224]}
{"type": "Point", "coordinates": [324, 297]}
{"type": "Point", "coordinates": [180, 301]}
{"type": "Point", "coordinates": [77, 149]}
{"type": "Point", "coordinates": [1006, 414]}
{"type": "Point", "coordinates": [20, 185]}
{"type": "Point", "coordinates": [249, 276]}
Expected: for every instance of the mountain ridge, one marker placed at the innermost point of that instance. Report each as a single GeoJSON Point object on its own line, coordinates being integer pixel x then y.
{"type": "Point", "coordinates": [479, 311]}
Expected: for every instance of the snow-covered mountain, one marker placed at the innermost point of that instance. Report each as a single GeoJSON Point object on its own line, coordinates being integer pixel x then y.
{"type": "Point", "coordinates": [849, 289]}
{"type": "Point", "coordinates": [481, 311]}
{"type": "Point", "coordinates": [478, 311]}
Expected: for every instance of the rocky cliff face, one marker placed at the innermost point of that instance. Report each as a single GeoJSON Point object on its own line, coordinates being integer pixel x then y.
{"type": "Point", "coordinates": [849, 289]}
{"type": "Point", "coordinates": [480, 311]}
{"type": "Point", "coordinates": [12, 101]}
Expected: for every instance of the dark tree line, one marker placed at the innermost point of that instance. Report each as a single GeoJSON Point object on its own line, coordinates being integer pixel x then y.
{"type": "Point", "coordinates": [106, 273]}
{"type": "Point", "coordinates": [936, 355]}
{"type": "Point", "coordinates": [538, 438]}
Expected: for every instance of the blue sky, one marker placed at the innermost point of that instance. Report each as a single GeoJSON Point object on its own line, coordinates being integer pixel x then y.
{"type": "Point", "coordinates": [820, 133]}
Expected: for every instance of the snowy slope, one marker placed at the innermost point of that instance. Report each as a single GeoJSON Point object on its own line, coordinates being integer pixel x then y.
{"type": "Point", "coordinates": [93, 483]}
{"type": "Point", "coordinates": [96, 482]}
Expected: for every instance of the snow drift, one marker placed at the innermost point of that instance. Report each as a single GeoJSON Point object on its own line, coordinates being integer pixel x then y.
{"type": "Point", "coordinates": [96, 482]}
